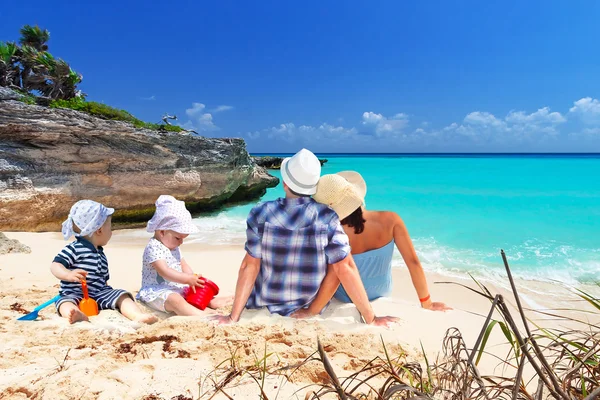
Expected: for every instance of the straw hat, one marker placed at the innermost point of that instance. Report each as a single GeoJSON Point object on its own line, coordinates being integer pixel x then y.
{"type": "Point", "coordinates": [301, 172]}
{"type": "Point", "coordinates": [344, 192]}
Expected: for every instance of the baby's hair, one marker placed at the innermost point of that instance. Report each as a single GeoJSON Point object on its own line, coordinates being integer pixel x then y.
{"type": "Point", "coordinates": [76, 228]}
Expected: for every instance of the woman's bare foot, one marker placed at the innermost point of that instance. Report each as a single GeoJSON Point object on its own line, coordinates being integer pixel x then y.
{"type": "Point", "coordinates": [76, 316]}
{"type": "Point", "coordinates": [220, 302]}
{"type": "Point", "coordinates": [146, 318]}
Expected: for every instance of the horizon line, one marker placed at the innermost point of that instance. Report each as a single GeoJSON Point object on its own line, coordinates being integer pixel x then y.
{"type": "Point", "coordinates": [446, 153]}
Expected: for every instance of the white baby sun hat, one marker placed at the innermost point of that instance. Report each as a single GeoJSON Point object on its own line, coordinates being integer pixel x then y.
{"type": "Point", "coordinates": [171, 215]}
{"type": "Point", "coordinates": [88, 216]}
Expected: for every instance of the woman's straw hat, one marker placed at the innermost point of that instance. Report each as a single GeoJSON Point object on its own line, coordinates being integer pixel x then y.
{"type": "Point", "coordinates": [344, 192]}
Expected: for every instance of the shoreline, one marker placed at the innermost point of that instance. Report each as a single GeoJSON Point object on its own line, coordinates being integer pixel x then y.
{"type": "Point", "coordinates": [538, 293]}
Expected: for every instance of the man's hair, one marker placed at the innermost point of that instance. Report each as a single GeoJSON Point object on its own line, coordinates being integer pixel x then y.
{"type": "Point", "coordinates": [294, 193]}
{"type": "Point", "coordinates": [356, 221]}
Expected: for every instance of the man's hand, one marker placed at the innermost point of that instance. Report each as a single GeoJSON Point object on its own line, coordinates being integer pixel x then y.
{"type": "Point", "coordinates": [76, 275]}
{"type": "Point", "coordinates": [195, 280]}
{"type": "Point", "coordinates": [302, 314]}
{"type": "Point", "coordinates": [437, 306]}
{"type": "Point", "coordinates": [385, 321]}
{"type": "Point", "coordinates": [221, 319]}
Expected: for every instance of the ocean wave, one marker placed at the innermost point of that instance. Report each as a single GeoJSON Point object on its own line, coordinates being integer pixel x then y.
{"type": "Point", "coordinates": [220, 229]}
{"type": "Point", "coordinates": [547, 261]}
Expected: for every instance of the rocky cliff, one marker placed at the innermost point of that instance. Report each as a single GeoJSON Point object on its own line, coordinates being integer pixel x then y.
{"type": "Point", "coordinates": [50, 158]}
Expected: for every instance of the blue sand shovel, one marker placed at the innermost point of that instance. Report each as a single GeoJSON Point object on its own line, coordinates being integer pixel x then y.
{"type": "Point", "coordinates": [32, 316]}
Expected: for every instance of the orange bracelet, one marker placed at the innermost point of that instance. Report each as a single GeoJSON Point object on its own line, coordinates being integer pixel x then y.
{"type": "Point", "coordinates": [424, 299]}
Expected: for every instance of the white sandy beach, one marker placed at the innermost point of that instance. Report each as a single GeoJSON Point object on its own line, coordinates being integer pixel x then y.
{"type": "Point", "coordinates": [111, 358]}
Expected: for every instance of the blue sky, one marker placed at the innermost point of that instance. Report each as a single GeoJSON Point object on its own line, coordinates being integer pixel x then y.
{"type": "Point", "coordinates": [341, 76]}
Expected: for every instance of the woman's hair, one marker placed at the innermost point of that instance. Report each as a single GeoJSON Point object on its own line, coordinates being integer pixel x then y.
{"type": "Point", "coordinates": [356, 221]}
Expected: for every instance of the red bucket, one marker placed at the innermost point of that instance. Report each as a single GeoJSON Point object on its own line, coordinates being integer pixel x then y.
{"type": "Point", "coordinates": [203, 295]}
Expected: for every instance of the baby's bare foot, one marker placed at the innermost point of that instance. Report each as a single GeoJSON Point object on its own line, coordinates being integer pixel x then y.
{"type": "Point", "coordinates": [77, 316]}
{"type": "Point", "coordinates": [146, 318]}
{"type": "Point", "coordinates": [220, 302]}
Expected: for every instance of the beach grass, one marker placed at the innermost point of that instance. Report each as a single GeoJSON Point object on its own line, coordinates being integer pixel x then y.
{"type": "Point", "coordinates": [565, 363]}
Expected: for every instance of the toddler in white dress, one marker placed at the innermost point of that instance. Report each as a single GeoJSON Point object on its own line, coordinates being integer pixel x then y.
{"type": "Point", "coordinates": [165, 273]}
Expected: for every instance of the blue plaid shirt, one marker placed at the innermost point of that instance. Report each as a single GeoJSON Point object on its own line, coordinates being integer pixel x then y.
{"type": "Point", "coordinates": [295, 239]}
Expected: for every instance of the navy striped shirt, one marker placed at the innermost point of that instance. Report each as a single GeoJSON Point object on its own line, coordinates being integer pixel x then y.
{"type": "Point", "coordinates": [81, 254]}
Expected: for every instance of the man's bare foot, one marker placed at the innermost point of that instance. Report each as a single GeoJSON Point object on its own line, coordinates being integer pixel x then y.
{"type": "Point", "coordinates": [76, 316]}
{"type": "Point", "coordinates": [146, 318]}
{"type": "Point", "coordinates": [220, 302]}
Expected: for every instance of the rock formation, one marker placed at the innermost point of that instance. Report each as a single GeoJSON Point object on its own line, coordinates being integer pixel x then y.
{"type": "Point", "coordinates": [12, 246]}
{"type": "Point", "coordinates": [50, 158]}
{"type": "Point", "coordinates": [271, 162]}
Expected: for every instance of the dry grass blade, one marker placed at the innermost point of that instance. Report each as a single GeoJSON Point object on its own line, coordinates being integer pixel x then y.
{"type": "Point", "coordinates": [539, 354]}
{"type": "Point", "coordinates": [485, 333]}
{"type": "Point", "coordinates": [566, 364]}
{"type": "Point", "coordinates": [329, 369]}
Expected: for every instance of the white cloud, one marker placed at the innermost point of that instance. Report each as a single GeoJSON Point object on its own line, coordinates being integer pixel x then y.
{"type": "Point", "coordinates": [587, 109]}
{"type": "Point", "coordinates": [284, 128]}
{"type": "Point", "coordinates": [148, 98]}
{"type": "Point", "coordinates": [371, 118]}
{"type": "Point", "coordinates": [517, 125]}
{"type": "Point", "coordinates": [290, 132]}
{"type": "Point", "coordinates": [337, 129]}
{"type": "Point", "coordinates": [199, 120]}
{"type": "Point", "coordinates": [222, 108]}
{"type": "Point", "coordinates": [591, 131]}
{"type": "Point", "coordinates": [482, 119]}
{"type": "Point", "coordinates": [383, 125]}
{"type": "Point", "coordinates": [197, 108]}
{"type": "Point", "coordinates": [478, 131]}
{"type": "Point", "coordinates": [541, 116]}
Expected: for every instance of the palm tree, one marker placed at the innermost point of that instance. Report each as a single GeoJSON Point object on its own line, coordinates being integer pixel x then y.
{"type": "Point", "coordinates": [35, 37]}
{"type": "Point", "coordinates": [52, 77]}
{"type": "Point", "coordinates": [29, 60]}
{"type": "Point", "coordinates": [30, 67]}
{"type": "Point", "coordinates": [9, 70]}
{"type": "Point", "coordinates": [60, 81]}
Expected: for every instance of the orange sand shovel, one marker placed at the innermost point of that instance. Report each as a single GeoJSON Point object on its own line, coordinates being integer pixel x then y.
{"type": "Point", "coordinates": [87, 306]}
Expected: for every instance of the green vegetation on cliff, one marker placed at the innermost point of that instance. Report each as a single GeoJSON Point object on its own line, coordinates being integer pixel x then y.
{"type": "Point", "coordinates": [28, 67]}
{"type": "Point", "coordinates": [106, 112]}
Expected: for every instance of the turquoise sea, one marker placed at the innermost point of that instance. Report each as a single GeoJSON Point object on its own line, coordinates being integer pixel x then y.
{"type": "Point", "coordinates": [543, 210]}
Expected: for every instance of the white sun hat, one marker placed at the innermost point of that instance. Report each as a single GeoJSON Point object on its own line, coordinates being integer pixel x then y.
{"type": "Point", "coordinates": [171, 215]}
{"type": "Point", "coordinates": [344, 192]}
{"type": "Point", "coordinates": [301, 172]}
{"type": "Point", "coordinates": [88, 216]}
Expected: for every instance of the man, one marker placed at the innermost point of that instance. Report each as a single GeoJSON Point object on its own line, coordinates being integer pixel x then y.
{"type": "Point", "coordinates": [296, 248]}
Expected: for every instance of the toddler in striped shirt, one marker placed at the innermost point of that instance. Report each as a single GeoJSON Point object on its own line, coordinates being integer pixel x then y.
{"type": "Point", "coordinates": [84, 258]}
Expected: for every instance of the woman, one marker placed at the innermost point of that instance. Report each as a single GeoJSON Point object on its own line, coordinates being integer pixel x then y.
{"type": "Point", "coordinates": [372, 236]}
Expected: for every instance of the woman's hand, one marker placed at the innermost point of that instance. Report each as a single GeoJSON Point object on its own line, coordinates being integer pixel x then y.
{"type": "Point", "coordinates": [384, 321]}
{"type": "Point", "coordinates": [195, 281]}
{"type": "Point", "coordinates": [76, 275]}
{"type": "Point", "coordinates": [436, 306]}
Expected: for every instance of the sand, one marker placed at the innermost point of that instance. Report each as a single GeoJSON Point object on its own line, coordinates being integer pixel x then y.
{"type": "Point", "coordinates": [113, 358]}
